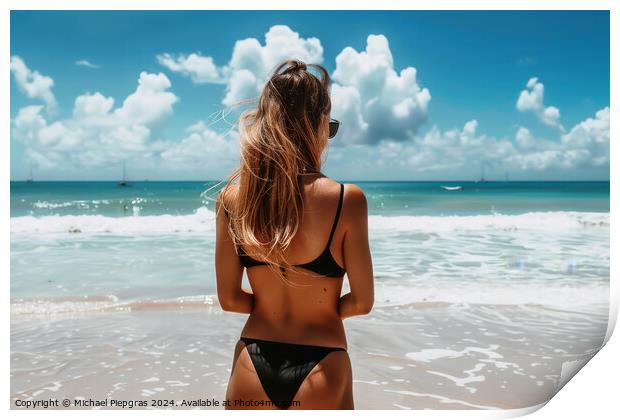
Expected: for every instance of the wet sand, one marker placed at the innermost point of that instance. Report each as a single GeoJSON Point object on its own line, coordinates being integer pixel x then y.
{"type": "Point", "coordinates": [418, 356]}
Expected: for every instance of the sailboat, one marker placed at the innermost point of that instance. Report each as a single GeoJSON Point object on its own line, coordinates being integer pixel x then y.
{"type": "Point", "coordinates": [482, 174]}
{"type": "Point", "coordinates": [30, 177]}
{"type": "Point", "coordinates": [124, 182]}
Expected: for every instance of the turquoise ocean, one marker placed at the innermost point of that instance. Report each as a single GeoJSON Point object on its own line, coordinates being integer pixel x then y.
{"type": "Point", "coordinates": [70, 239]}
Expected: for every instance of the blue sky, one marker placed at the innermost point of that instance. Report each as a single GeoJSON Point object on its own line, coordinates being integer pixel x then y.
{"type": "Point", "coordinates": [522, 93]}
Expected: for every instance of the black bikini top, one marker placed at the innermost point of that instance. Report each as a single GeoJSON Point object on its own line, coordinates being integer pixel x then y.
{"type": "Point", "coordinates": [324, 264]}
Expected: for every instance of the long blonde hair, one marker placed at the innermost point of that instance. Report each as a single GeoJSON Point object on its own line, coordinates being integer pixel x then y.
{"type": "Point", "coordinates": [279, 141]}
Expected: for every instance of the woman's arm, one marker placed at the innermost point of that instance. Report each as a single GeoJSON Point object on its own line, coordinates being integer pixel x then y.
{"type": "Point", "coordinates": [228, 268]}
{"type": "Point", "coordinates": [360, 299]}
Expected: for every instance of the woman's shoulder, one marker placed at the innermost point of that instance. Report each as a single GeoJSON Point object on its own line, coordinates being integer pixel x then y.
{"type": "Point", "coordinates": [225, 197]}
{"type": "Point", "coordinates": [354, 210]}
{"type": "Point", "coordinates": [352, 193]}
{"type": "Point", "coordinates": [355, 204]}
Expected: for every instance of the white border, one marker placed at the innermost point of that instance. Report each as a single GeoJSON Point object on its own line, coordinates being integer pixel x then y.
{"type": "Point", "coordinates": [314, 5]}
{"type": "Point", "coordinates": [589, 394]}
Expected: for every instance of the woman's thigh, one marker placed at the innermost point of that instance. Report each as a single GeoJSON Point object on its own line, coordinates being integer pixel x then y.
{"type": "Point", "coordinates": [329, 385]}
{"type": "Point", "coordinates": [244, 384]}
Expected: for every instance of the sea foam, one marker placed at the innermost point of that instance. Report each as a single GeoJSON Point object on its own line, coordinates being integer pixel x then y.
{"type": "Point", "coordinates": [203, 221]}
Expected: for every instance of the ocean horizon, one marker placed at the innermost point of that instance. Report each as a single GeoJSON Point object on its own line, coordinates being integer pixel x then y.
{"type": "Point", "coordinates": [385, 197]}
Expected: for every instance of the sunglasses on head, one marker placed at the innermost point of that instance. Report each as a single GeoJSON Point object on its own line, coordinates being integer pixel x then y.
{"type": "Point", "coordinates": [333, 127]}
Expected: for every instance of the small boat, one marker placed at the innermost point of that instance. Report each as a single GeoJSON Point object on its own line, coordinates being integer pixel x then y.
{"type": "Point", "coordinates": [30, 179]}
{"type": "Point", "coordinates": [455, 188]}
{"type": "Point", "coordinates": [124, 182]}
{"type": "Point", "coordinates": [482, 179]}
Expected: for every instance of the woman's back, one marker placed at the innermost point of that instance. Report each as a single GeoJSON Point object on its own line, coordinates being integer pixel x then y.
{"type": "Point", "coordinates": [293, 345]}
{"type": "Point", "coordinates": [305, 310]}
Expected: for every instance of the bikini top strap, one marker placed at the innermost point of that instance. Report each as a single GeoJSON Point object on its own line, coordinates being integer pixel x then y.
{"type": "Point", "coordinates": [331, 234]}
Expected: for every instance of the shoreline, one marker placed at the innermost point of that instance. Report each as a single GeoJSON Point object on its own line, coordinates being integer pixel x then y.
{"type": "Point", "coordinates": [426, 356]}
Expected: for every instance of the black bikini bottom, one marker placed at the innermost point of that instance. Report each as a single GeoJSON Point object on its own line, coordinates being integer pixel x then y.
{"type": "Point", "coordinates": [282, 367]}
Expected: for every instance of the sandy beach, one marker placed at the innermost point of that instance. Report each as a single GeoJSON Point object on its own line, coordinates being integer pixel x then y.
{"type": "Point", "coordinates": [419, 356]}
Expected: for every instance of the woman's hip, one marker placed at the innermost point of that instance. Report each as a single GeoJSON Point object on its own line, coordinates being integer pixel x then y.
{"type": "Point", "coordinates": [290, 373]}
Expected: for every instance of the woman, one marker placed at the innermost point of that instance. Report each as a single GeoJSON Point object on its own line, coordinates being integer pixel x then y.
{"type": "Point", "coordinates": [281, 214]}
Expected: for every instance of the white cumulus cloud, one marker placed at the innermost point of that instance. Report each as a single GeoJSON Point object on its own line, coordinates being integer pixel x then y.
{"type": "Point", "coordinates": [462, 152]}
{"type": "Point", "coordinates": [453, 153]}
{"type": "Point", "coordinates": [151, 101]}
{"type": "Point", "coordinates": [591, 135]}
{"type": "Point", "coordinates": [204, 147]}
{"type": "Point", "coordinates": [586, 145]}
{"type": "Point", "coordinates": [96, 134]}
{"type": "Point", "coordinates": [199, 68]}
{"type": "Point", "coordinates": [531, 100]}
{"type": "Point", "coordinates": [373, 100]}
{"type": "Point", "coordinates": [34, 84]}
{"type": "Point", "coordinates": [250, 64]}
